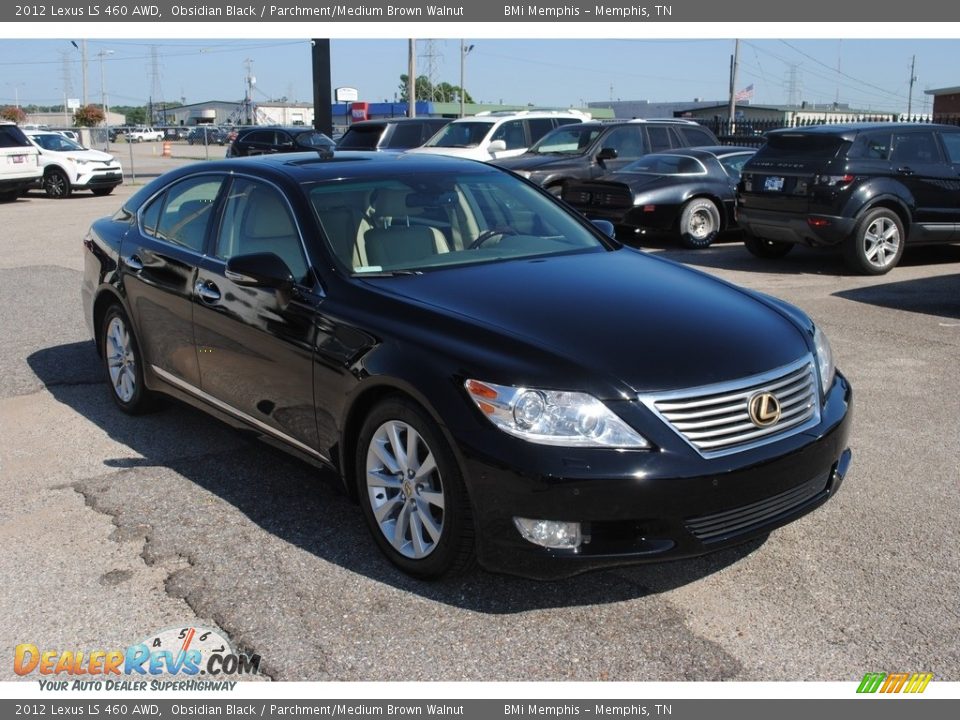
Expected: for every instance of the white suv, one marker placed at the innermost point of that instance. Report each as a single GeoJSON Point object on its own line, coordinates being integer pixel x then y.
{"type": "Point", "coordinates": [496, 135]}
{"type": "Point", "coordinates": [19, 167]}
{"type": "Point", "coordinates": [68, 166]}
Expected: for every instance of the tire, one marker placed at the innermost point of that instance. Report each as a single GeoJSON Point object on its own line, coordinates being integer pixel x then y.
{"type": "Point", "coordinates": [9, 196]}
{"type": "Point", "coordinates": [417, 510]}
{"type": "Point", "coordinates": [699, 223]}
{"type": "Point", "coordinates": [123, 363]}
{"type": "Point", "coordinates": [56, 184]}
{"type": "Point", "coordinates": [876, 245]}
{"type": "Point", "coordinates": [100, 192]}
{"type": "Point", "coordinates": [766, 249]}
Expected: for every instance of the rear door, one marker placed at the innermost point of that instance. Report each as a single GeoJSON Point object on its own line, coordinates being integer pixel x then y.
{"type": "Point", "coordinates": [159, 261]}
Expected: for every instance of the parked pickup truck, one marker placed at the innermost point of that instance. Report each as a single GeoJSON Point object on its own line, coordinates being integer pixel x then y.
{"type": "Point", "coordinates": [144, 134]}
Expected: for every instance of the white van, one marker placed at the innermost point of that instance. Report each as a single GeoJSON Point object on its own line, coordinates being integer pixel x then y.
{"type": "Point", "coordinates": [495, 135]}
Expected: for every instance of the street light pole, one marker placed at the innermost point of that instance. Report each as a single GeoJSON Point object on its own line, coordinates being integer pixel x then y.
{"type": "Point", "coordinates": [464, 51]}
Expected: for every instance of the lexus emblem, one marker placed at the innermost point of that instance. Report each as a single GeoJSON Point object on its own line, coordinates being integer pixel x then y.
{"type": "Point", "coordinates": [764, 409]}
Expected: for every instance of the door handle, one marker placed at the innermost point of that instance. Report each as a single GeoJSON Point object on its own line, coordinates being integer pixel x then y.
{"type": "Point", "coordinates": [207, 291]}
{"type": "Point", "coordinates": [134, 263]}
{"type": "Point", "coordinates": [905, 170]}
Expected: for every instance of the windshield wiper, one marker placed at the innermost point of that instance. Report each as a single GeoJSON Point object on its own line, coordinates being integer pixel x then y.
{"type": "Point", "coordinates": [385, 273]}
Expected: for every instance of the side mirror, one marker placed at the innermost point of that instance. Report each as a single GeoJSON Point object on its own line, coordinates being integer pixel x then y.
{"type": "Point", "coordinates": [265, 270]}
{"type": "Point", "coordinates": [607, 153]}
{"type": "Point", "coordinates": [606, 227]}
{"type": "Point", "coordinates": [497, 146]}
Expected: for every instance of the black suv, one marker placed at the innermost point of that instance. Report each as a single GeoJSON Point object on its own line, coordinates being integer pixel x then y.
{"type": "Point", "coordinates": [266, 140]}
{"type": "Point", "coordinates": [585, 151]}
{"type": "Point", "coordinates": [868, 188]}
{"type": "Point", "coordinates": [390, 133]}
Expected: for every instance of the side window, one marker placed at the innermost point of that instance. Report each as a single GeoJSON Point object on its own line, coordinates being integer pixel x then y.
{"type": "Point", "coordinates": [511, 132]}
{"type": "Point", "coordinates": [918, 147]}
{"type": "Point", "coordinates": [695, 136]}
{"type": "Point", "coordinates": [627, 141]}
{"type": "Point", "coordinates": [659, 138]}
{"type": "Point", "coordinates": [408, 135]}
{"type": "Point", "coordinates": [257, 219]}
{"type": "Point", "coordinates": [183, 213]}
{"type": "Point", "coordinates": [951, 141]}
{"type": "Point", "coordinates": [539, 127]}
{"type": "Point", "coordinates": [876, 146]}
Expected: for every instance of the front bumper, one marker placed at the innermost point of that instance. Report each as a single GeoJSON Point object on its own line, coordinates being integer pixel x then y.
{"type": "Point", "coordinates": [651, 506]}
{"type": "Point", "coordinates": [796, 228]}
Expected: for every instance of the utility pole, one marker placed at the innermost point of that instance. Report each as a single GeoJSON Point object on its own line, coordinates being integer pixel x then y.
{"type": "Point", "coordinates": [83, 62]}
{"type": "Point", "coordinates": [913, 79]}
{"type": "Point", "coordinates": [464, 51]}
{"type": "Point", "coordinates": [734, 62]}
{"type": "Point", "coordinates": [411, 78]}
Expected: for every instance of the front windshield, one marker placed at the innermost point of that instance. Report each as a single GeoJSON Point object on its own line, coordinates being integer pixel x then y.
{"type": "Point", "coordinates": [460, 135]}
{"type": "Point", "coordinates": [567, 140]}
{"type": "Point", "coordinates": [414, 222]}
{"type": "Point", "coordinates": [57, 143]}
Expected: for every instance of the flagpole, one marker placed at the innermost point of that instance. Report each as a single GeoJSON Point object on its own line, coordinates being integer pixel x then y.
{"type": "Point", "coordinates": [734, 62]}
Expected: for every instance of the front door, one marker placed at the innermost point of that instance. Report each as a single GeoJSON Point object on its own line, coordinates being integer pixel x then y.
{"type": "Point", "coordinates": [255, 344]}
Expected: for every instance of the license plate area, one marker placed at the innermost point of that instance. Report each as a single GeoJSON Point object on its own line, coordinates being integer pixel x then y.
{"type": "Point", "coordinates": [773, 183]}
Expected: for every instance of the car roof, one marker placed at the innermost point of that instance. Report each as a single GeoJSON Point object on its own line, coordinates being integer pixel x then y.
{"type": "Point", "coordinates": [396, 121]}
{"type": "Point", "coordinates": [309, 166]}
{"type": "Point", "coordinates": [699, 150]}
{"type": "Point", "coordinates": [850, 130]}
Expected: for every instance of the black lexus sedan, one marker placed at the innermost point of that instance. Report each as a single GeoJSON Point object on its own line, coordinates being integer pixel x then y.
{"type": "Point", "coordinates": [492, 376]}
{"type": "Point", "coordinates": [689, 192]}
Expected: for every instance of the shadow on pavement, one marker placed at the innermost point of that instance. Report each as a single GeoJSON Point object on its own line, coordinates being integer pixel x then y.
{"type": "Point", "coordinates": [282, 496]}
{"type": "Point", "coordinates": [938, 295]}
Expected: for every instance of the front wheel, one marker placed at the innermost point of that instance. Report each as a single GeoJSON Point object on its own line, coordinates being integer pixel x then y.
{"type": "Point", "coordinates": [56, 184]}
{"type": "Point", "coordinates": [699, 223]}
{"type": "Point", "coordinates": [876, 245]}
{"type": "Point", "coordinates": [412, 492]}
{"type": "Point", "coordinates": [763, 248]}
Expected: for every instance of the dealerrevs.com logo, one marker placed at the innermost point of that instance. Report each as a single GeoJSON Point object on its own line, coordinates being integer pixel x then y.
{"type": "Point", "coordinates": [186, 653]}
{"type": "Point", "coordinates": [911, 683]}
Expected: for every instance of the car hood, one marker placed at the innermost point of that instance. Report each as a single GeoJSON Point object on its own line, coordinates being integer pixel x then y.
{"type": "Point", "coordinates": [535, 161]}
{"type": "Point", "coordinates": [641, 181]}
{"type": "Point", "coordinates": [86, 154]}
{"type": "Point", "coordinates": [633, 319]}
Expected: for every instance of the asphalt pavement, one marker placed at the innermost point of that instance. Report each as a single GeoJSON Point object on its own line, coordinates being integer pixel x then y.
{"type": "Point", "coordinates": [117, 527]}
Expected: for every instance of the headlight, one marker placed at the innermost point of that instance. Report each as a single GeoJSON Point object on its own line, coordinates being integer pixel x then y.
{"type": "Point", "coordinates": [78, 161]}
{"type": "Point", "coordinates": [550, 417]}
{"type": "Point", "coordinates": [824, 360]}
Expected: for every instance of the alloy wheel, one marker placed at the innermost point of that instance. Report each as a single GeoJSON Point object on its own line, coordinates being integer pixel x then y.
{"type": "Point", "coordinates": [405, 490]}
{"type": "Point", "coordinates": [881, 242]}
{"type": "Point", "coordinates": [121, 360]}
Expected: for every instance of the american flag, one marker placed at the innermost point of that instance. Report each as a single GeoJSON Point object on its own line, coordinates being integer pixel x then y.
{"type": "Point", "coordinates": [744, 94]}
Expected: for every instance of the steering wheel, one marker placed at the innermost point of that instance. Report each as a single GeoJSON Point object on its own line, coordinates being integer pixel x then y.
{"type": "Point", "coordinates": [492, 232]}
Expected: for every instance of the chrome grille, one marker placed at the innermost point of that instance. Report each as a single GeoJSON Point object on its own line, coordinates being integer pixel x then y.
{"type": "Point", "coordinates": [716, 419]}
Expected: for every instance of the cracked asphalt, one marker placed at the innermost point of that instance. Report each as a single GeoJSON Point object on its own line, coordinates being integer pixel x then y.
{"type": "Point", "coordinates": [116, 527]}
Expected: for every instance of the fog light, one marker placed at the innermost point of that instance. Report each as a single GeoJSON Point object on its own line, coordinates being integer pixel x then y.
{"type": "Point", "coordinates": [550, 533]}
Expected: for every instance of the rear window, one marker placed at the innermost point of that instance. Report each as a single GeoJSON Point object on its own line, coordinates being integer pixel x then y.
{"type": "Point", "coordinates": [364, 137]}
{"type": "Point", "coordinates": [12, 136]}
{"type": "Point", "coordinates": [805, 147]}
{"type": "Point", "coordinates": [409, 135]}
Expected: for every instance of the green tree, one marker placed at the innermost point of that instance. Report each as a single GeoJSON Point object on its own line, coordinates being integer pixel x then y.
{"type": "Point", "coordinates": [13, 114]}
{"type": "Point", "coordinates": [441, 92]}
{"type": "Point", "coordinates": [88, 116]}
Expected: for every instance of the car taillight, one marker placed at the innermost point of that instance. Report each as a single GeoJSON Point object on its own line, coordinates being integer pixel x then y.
{"type": "Point", "coordinates": [836, 180]}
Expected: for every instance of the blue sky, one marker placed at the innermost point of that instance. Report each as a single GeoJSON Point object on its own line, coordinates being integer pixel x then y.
{"type": "Point", "coordinates": [872, 74]}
